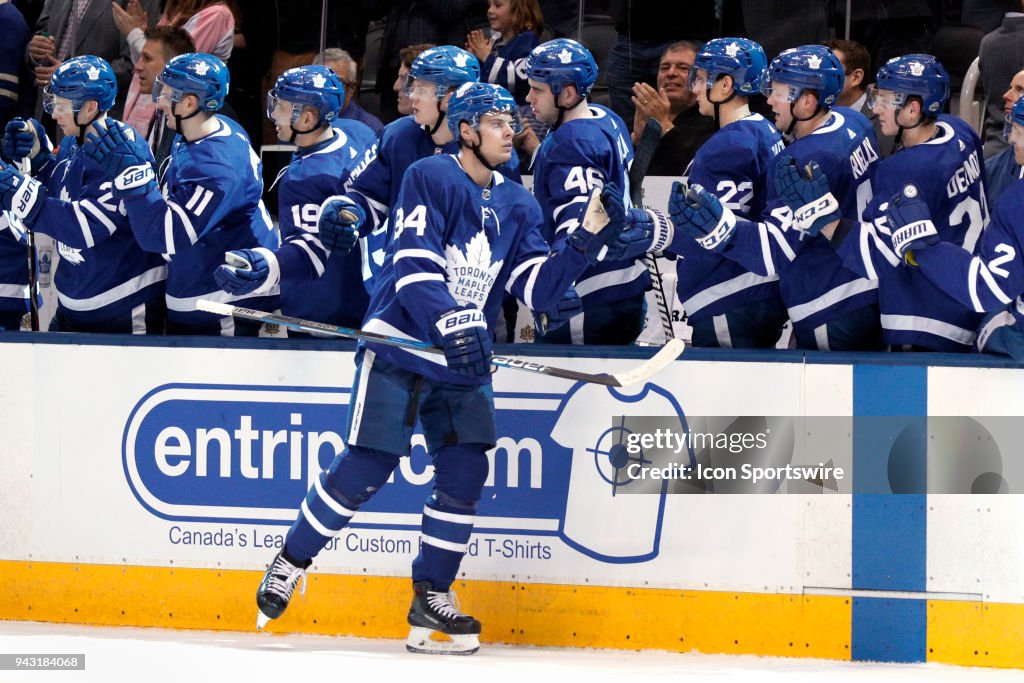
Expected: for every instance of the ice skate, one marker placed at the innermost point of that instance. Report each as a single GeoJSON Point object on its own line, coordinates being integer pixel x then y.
{"type": "Point", "coordinates": [436, 612]}
{"type": "Point", "coordinates": [276, 589]}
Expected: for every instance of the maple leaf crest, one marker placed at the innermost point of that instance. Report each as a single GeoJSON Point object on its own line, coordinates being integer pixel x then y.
{"type": "Point", "coordinates": [471, 274]}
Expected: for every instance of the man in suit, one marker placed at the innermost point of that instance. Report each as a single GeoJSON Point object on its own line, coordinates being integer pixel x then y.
{"type": "Point", "coordinates": [1001, 55]}
{"type": "Point", "coordinates": [857, 64]}
{"type": "Point", "coordinates": [69, 28]}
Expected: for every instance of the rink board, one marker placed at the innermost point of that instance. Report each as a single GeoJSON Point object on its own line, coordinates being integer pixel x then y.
{"type": "Point", "coordinates": [122, 510]}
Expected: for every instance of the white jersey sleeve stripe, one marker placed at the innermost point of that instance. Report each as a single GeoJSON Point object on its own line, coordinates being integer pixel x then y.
{"type": "Point", "coordinates": [207, 196]}
{"type": "Point", "coordinates": [418, 277]}
{"type": "Point", "coordinates": [185, 223]}
{"type": "Point", "coordinates": [196, 196]}
{"type": "Point", "coordinates": [421, 253]}
{"type": "Point", "coordinates": [532, 265]}
{"type": "Point", "coordinates": [99, 215]}
{"type": "Point", "coordinates": [318, 264]}
{"type": "Point", "coordinates": [83, 223]}
{"type": "Point", "coordinates": [992, 284]}
{"type": "Point", "coordinates": [574, 200]}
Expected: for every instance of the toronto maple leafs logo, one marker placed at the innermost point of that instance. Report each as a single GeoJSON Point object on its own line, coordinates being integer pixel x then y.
{"type": "Point", "coordinates": [202, 68]}
{"type": "Point", "coordinates": [461, 59]}
{"type": "Point", "coordinates": [732, 49]}
{"type": "Point", "coordinates": [814, 62]}
{"type": "Point", "coordinates": [564, 56]}
{"type": "Point", "coordinates": [70, 254]}
{"type": "Point", "coordinates": [471, 274]}
{"type": "Point", "coordinates": [93, 73]}
{"type": "Point", "coordinates": [916, 68]}
{"type": "Point", "coordinates": [319, 81]}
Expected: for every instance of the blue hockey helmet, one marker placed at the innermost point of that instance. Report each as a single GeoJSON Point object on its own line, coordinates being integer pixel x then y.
{"type": "Point", "coordinates": [915, 75]}
{"type": "Point", "coordinates": [1017, 112]}
{"type": "Point", "coordinates": [308, 86]}
{"type": "Point", "coordinates": [81, 79]}
{"type": "Point", "coordinates": [195, 73]}
{"type": "Point", "coordinates": [446, 66]}
{"type": "Point", "coordinates": [562, 62]}
{"type": "Point", "coordinates": [473, 100]}
{"type": "Point", "coordinates": [809, 67]}
{"type": "Point", "coordinates": [740, 58]}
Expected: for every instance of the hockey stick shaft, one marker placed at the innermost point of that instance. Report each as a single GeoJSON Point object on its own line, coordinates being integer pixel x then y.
{"type": "Point", "coordinates": [25, 166]}
{"type": "Point", "coordinates": [643, 153]}
{"type": "Point", "coordinates": [641, 373]}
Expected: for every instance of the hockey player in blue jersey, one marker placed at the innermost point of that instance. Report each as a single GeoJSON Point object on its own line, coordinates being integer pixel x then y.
{"type": "Point", "coordinates": [464, 234]}
{"type": "Point", "coordinates": [433, 76]}
{"type": "Point", "coordinates": [726, 305]}
{"type": "Point", "coordinates": [105, 282]}
{"type": "Point", "coordinates": [831, 307]}
{"type": "Point", "coordinates": [986, 281]}
{"type": "Point", "coordinates": [14, 276]}
{"type": "Point", "coordinates": [209, 201]}
{"type": "Point", "coordinates": [939, 154]}
{"type": "Point", "coordinates": [588, 148]}
{"type": "Point", "coordinates": [303, 105]}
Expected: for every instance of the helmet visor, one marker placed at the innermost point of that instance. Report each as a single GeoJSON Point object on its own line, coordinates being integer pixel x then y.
{"type": "Point", "coordinates": [497, 120]}
{"type": "Point", "coordinates": [884, 100]}
{"type": "Point", "coordinates": [698, 80]}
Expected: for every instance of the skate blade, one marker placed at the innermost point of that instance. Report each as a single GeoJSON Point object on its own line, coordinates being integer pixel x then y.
{"type": "Point", "coordinates": [261, 620]}
{"type": "Point", "coordinates": [420, 641]}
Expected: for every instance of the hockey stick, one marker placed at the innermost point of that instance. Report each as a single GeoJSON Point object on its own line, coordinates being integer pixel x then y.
{"type": "Point", "coordinates": [25, 166]}
{"type": "Point", "coordinates": [643, 153]}
{"type": "Point", "coordinates": [652, 366]}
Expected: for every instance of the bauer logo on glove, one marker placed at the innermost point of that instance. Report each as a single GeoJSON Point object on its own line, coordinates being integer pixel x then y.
{"type": "Point", "coordinates": [134, 176]}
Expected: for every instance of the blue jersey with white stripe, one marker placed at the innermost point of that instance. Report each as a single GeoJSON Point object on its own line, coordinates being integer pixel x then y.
{"type": "Point", "coordinates": [402, 143]}
{"type": "Point", "coordinates": [210, 203]}
{"type": "Point", "coordinates": [103, 271]}
{"type": "Point", "coordinates": [737, 165]}
{"type": "Point", "coordinates": [815, 285]}
{"type": "Point", "coordinates": [993, 276]}
{"type": "Point", "coordinates": [577, 157]}
{"type": "Point", "coordinates": [312, 286]}
{"type": "Point", "coordinates": [458, 243]}
{"type": "Point", "coordinates": [13, 268]}
{"type": "Point", "coordinates": [949, 171]}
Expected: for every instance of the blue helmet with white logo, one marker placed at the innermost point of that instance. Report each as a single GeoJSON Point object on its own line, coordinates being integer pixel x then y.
{"type": "Point", "coordinates": [446, 66]}
{"type": "Point", "coordinates": [473, 100]}
{"type": "Point", "coordinates": [195, 73]}
{"type": "Point", "coordinates": [562, 62]}
{"type": "Point", "coordinates": [1017, 112]}
{"type": "Point", "coordinates": [916, 75]}
{"type": "Point", "coordinates": [308, 86]}
{"type": "Point", "coordinates": [739, 58]}
{"type": "Point", "coordinates": [809, 67]}
{"type": "Point", "coordinates": [81, 79]}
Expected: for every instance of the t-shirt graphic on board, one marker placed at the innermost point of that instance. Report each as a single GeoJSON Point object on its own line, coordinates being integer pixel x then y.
{"type": "Point", "coordinates": [601, 520]}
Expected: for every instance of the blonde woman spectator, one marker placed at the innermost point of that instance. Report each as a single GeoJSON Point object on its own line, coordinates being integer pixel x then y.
{"type": "Point", "coordinates": [210, 23]}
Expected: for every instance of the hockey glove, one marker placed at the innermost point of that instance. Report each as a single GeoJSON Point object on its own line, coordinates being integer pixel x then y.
{"type": "Point", "coordinates": [26, 139]}
{"type": "Point", "coordinates": [911, 223]}
{"type": "Point", "coordinates": [597, 233]}
{"type": "Point", "coordinates": [462, 333]}
{"type": "Point", "coordinates": [112, 148]}
{"type": "Point", "coordinates": [340, 219]}
{"type": "Point", "coordinates": [805, 190]}
{"type": "Point", "coordinates": [19, 194]}
{"type": "Point", "coordinates": [642, 230]}
{"type": "Point", "coordinates": [700, 215]}
{"type": "Point", "coordinates": [247, 270]}
{"type": "Point", "coordinates": [569, 306]}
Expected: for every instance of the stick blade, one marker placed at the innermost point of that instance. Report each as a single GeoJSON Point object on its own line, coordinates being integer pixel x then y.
{"type": "Point", "coordinates": [658, 362]}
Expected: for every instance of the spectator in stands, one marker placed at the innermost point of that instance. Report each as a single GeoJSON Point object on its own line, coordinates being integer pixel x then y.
{"type": "Point", "coordinates": [683, 128]}
{"type": "Point", "coordinates": [406, 55]}
{"type": "Point", "coordinates": [211, 25]}
{"type": "Point", "coordinates": [1002, 170]}
{"type": "Point", "coordinates": [421, 21]}
{"type": "Point", "coordinates": [12, 51]}
{"type": "Point", "coordinates": [162, 43]}
{"type": "Point", "coordinates": [1001, 55]}
{"type": "Point", "coordinates": [67, 28]}
{"type": "Point", "coordinates": [857, 65]}
{"type": "Point", "coordinates": [342, 63]}
{"type": "Point", "coordinates": [645, 29]}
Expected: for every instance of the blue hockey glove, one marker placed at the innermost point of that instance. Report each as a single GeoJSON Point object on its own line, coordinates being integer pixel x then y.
{"type": "Point", "coordinates": [247, 270]}
{"type": "Point", "coordinates": [467, 343]}
{"type": "Point", "coordinates": [19, 194]}
{"type": "Point", "coordinates": [26, 139]}
{"type": "Point", "coordinates": [569, 306]}
{"type": "Point", "coordinates": [642, 231]}
{"type": "Point", "coordinates": [597, 233]}
{"type": "Point", "coordinates": [911, 223]}
{"type": "Point", "coordinates": [700, 215]}
{"type": "Point", "coordinates": [805, 190]}
{"type": "Point", "coordinates": [340, 219]}
{"type": "Point", "coordinates": [113, 149]}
